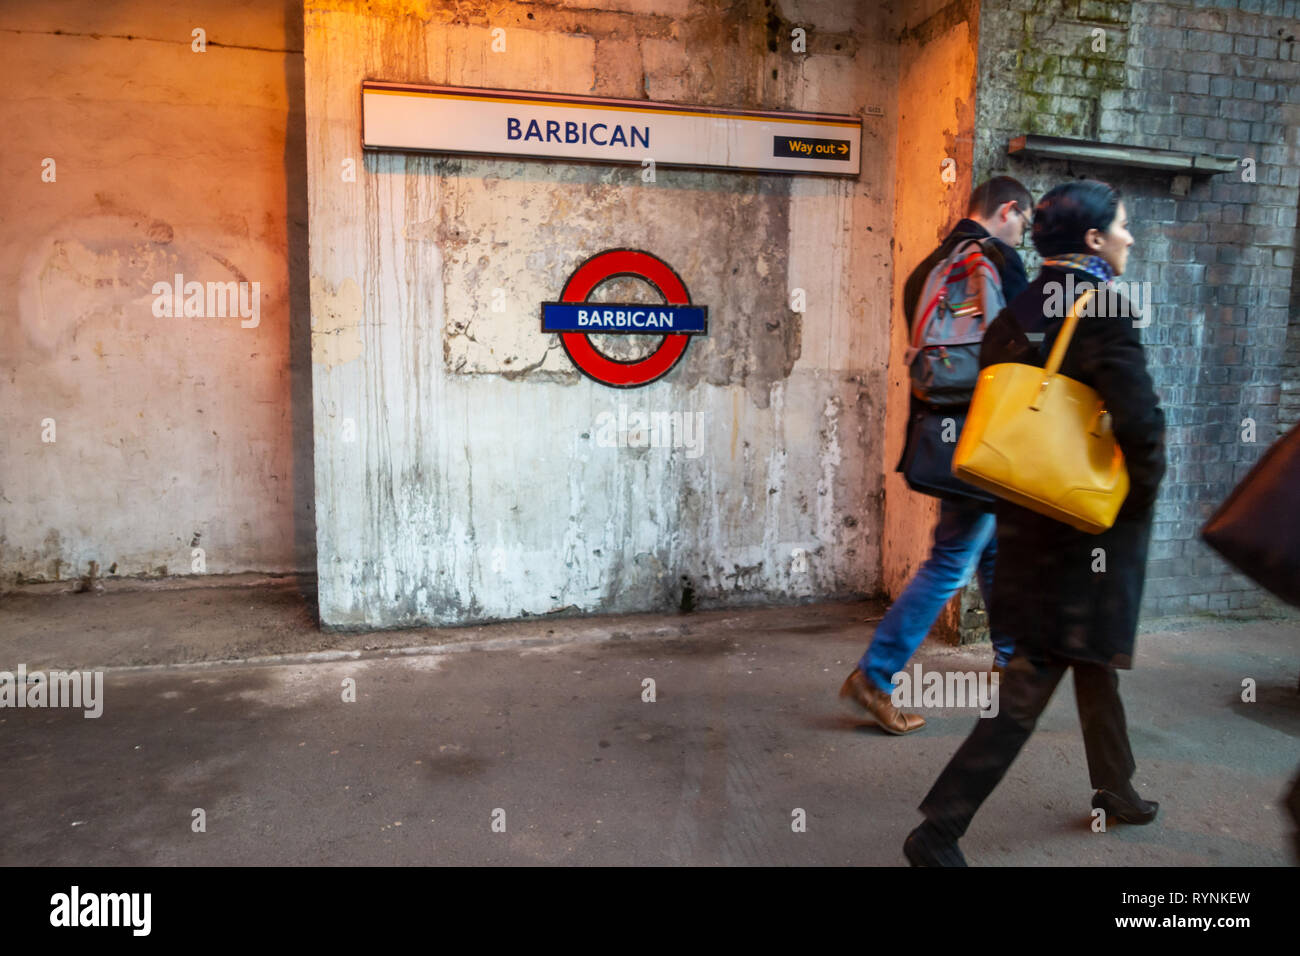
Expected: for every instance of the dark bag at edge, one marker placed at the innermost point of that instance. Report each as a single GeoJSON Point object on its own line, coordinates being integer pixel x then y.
{"type": "Point", "coordinates": [1257, 529]}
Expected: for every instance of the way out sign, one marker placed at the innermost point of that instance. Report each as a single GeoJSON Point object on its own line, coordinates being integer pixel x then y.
{"type": "Point", "coordinates": [574, 318]}
{"type": "Point", "coordinates": [449, 119]}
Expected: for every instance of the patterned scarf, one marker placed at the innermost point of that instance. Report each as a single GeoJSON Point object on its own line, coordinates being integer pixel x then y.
{"type": "Point", "coordinates": [1095, 266]}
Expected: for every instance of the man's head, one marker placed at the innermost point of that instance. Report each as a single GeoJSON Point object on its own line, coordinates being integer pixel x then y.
{"type": "Point", "coordinates": [1001, 205]}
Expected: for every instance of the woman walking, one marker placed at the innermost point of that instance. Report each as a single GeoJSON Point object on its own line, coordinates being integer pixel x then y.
{"type": "Point", "coordinates": [1066, 605]}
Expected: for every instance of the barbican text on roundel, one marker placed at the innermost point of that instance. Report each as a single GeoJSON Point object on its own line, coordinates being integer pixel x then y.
{"type": "Point", "coordinates": [626, 318]}
{"type": "Point", "coordinates": [599, 134]}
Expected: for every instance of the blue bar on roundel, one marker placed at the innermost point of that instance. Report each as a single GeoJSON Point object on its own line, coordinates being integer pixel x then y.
{"type": "Point", "coordinates": [623, 317]}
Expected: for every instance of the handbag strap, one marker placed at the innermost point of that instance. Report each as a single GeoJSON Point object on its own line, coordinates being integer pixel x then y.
{"type": "Point", "coordinates": [1057, 355]}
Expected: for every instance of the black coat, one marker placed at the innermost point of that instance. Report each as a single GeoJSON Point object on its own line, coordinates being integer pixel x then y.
{"type": "Point", "coordinates": [1046, 595]}
{"type": "Point", "coordinates": [1004, 258]}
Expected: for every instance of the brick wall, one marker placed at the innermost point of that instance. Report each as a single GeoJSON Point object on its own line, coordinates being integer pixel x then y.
{"type": "Point", "coordinates": [1221, 78]}
{"type": "Point", "coordinates": [1288, 412]}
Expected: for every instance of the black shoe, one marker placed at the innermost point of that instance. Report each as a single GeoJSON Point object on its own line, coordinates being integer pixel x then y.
{"type": "Point", "coordinates": [924, 847]}
{"type": "Point", "coordinates": [1141, 812]}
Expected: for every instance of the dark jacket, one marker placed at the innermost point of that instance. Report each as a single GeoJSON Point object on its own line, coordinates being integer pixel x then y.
{"type": "Point", "coordinates": [1046, 593]}
{"type": "Point", "coordinates": [1004, 258]}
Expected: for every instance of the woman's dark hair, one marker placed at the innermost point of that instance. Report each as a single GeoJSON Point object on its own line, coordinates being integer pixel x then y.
{"type": "Point", "coordinates": [1065, 214]}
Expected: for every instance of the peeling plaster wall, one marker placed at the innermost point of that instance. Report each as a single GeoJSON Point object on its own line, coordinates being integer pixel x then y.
{"type": "Point", "coordinates": [459, 472]}
{"type": "Point", "coordinates": [936, 112]}
{"type": "Point", "coordinates": [169, 432]}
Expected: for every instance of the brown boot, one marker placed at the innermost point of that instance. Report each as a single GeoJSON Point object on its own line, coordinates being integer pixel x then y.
{"type": "Point", "coordinates": [859, 693]}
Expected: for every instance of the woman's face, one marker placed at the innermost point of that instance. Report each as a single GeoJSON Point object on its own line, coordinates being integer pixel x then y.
{"type": "Point", "coordinates": [1113, 244]}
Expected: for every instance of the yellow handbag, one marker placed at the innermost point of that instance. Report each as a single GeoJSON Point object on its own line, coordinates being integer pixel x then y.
{"type": "Point", "coordinates": [1044, 441]}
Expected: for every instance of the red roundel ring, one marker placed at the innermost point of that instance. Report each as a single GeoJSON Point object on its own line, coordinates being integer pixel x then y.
{"type": "Point", "coordinates": [640, 265]}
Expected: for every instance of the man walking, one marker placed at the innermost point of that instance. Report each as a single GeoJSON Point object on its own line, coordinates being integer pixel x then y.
{"type": "Point", "coordinates": [964, 540]}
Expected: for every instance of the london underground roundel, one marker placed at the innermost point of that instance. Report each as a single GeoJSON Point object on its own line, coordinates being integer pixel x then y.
{"type": "Point", "coordinates": [574, 319]}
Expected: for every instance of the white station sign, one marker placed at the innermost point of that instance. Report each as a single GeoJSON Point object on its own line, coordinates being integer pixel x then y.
{"type": "Point", "coordinates": [448, 119]}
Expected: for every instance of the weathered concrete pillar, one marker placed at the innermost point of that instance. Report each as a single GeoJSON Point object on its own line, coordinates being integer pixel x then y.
{"type": "Point", "coordinates": [938, 47]}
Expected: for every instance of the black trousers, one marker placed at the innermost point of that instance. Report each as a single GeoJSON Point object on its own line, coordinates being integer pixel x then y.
{"type": "Point", "coordinates": [1029, 682]}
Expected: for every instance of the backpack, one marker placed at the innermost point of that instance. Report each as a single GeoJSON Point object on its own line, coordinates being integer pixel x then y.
{"type": "Point", "coordinates": [961, 296]}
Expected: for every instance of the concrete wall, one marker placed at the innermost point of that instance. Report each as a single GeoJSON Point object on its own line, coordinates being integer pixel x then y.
{"type": "Point", "coordinates": [168, 433]}
{"type": "Point", "coordinates": [938, 46]}
{"type": "Point", "coordinates": [459, 475]}
{"type": "Point", "coordinates": [1198, 77]}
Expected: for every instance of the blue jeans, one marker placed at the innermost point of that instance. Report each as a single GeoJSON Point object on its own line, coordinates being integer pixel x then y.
{"type": "Point", "coordinates": [964, 542]}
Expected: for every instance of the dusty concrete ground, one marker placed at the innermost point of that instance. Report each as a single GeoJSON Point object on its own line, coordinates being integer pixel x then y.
{"type": "Point", "coordinates": [545, 721]}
